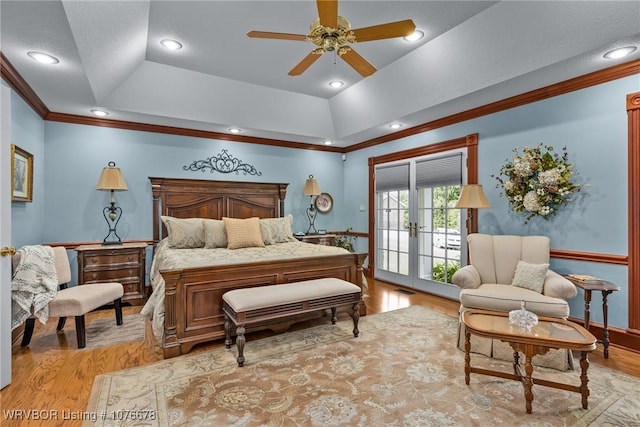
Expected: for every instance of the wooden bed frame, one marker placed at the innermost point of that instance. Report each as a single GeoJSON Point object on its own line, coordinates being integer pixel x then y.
{"type": "Point", "coordinates": [193, 296]}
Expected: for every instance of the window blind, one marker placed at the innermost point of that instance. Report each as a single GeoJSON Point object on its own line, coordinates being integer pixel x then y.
{"type": "Point", "coordinates": [438, 172]}
{"type": "Point", "coordinates": [395, 177]}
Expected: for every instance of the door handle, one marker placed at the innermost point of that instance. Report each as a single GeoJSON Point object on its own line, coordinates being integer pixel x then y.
{"type": "Point", "coordinates": [10, 251]}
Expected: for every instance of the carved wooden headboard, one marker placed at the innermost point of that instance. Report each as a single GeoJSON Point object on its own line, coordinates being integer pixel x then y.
{"type": "Point", "coordinates": [199, 198]}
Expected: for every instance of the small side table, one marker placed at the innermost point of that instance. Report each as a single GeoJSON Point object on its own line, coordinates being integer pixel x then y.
{"type": "Point", "coordinates": [605, 288]}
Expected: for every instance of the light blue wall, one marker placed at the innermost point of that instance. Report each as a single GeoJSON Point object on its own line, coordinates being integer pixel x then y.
{"type": "Point", "coordinates": [27, 132]}
{"type": "Point", "coordinates": [76, 155]}
{"type": "Point", "coordinates": [592, 124]}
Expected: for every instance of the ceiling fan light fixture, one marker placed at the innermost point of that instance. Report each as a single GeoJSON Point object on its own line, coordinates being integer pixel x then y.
{"type": "Point", "coordinates": [415, 36]}
{"type": "Point", "coordinates": [620, 52]}
{"type": "Point", "coordinates": [43, 58]}
{"type": "Point", "coordinates": [171, 44]}
{"type": "Point", "coordinates": [336, 84]}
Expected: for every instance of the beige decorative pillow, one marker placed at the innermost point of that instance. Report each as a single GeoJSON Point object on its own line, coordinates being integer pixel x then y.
{"type": "Point", "coordinates": [243, 233]}
{"type": "Point", "coordinates": [184, 233]}
{"type": "Point", "coordinates": [530, 276]}
{"type": "Point", "coordinates": [277, 230]}
{"type": "Point", "coordinates": [215, 235]}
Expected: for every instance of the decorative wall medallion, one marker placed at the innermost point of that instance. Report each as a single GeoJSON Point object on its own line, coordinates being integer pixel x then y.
{"type": "Point", "coordinates": [223, 163]}
{"type": "Point", "coordinates": [324, 203]}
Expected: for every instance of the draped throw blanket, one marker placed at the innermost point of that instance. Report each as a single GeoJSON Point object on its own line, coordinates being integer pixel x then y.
{"type": "Point", "coordinates": [34, 284]}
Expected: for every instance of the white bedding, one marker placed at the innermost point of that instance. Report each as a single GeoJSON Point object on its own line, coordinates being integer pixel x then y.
{"type": "Point", "coordinates": [166, 258]}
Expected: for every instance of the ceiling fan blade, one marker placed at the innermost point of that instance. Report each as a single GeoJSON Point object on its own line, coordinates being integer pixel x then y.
{"type": "Point", "coordinates": [328, 13]}
{"type": "Point", "coordinates": [306, 62]}
{"type": "Point", "coordinates": [280, 36]}
{"type": "Point", "coordinates": [385, 31]}
{"type": "Point", "coordinates": [356, 61]}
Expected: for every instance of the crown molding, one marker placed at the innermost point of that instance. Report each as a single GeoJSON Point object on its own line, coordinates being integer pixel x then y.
{"type": "Point", "coordinates": [11, 76]}
{"type": "Point", "coordinates": [14, 79]}
{"type": "Point", "coordinates": [592, 79]}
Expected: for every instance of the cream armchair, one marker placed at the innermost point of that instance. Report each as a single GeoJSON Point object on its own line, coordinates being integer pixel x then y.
{"type": "Point", "coordinates": [500, 275]}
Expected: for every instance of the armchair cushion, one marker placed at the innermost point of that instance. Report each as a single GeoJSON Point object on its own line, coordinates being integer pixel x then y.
{"type": "Point", "coordinates": [530, 276]}
{"type": "Point", "coordinates": [504, 298]}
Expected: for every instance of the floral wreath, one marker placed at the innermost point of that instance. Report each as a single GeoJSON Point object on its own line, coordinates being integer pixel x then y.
{"type": "Point", "coordinates": [537, 182]}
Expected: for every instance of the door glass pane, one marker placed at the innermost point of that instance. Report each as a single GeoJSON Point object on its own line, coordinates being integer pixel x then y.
{"type": "Point", "coordinates": [439, 232]}
{"type": "Point", "coordinates": [392, 231]}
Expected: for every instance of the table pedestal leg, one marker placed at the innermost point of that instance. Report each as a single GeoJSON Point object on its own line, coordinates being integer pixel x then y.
{"type": "Point", "coordinates": [584, 379]}
{"type": "Point", "coordinates": [528, 381]}
{"type": "Point", "coordinates": [467, 356]}
{"type": "Point", "coordinates": [605, 332]}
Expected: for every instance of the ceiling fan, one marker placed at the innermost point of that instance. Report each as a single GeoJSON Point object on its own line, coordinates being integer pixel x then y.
{"type": "Point", "coordinates": [331, 32]}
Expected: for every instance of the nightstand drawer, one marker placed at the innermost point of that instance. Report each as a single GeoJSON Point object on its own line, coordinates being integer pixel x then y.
{"type": "Point", "coordinates": [111, 259]}
{"type": "Point", "coordinates": [111, 275]}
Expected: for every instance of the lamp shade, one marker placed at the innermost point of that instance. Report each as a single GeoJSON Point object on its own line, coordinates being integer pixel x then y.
{"type": "Point", "coordinates": [111, 179]}
{"type": "Point", "coordinates": [311, 187]}
{"type": "Point", "coordinates": [472, 197]}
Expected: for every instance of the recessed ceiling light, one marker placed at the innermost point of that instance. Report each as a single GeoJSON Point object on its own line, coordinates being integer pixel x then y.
{"type": "Point", "coordinates": [327, 142]}
{"type": "Point", "coordinates": [415, 36]}
{"type": "Point", "coordinates": [235, 130]}
{"type": "Point", "coordinates": [395, 125]}
{"type": "Point", "coordinates": [43, 58]}
{"type": "Point", "coordinates": [100, 113]}
{"type": "Point", "coordinates": [620, 52]}
{"type": "Point", "coordinates": [171, 44]}
{"type": "Point", "coordinates": [336, 84]}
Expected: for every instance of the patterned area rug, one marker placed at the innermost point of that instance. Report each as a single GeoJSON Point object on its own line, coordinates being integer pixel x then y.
{"type": "Point", "coordinates": [105, 332]}
{"type": "Point", "coordinates": [403, 370]}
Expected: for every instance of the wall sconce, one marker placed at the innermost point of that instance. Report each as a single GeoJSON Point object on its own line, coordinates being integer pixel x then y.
{"type": "Point", "coordinates": [112, 180]}
{"type": "Point", "coordinates": [311, 189]}
{"type": "Point", "coordinates": [472, 197]}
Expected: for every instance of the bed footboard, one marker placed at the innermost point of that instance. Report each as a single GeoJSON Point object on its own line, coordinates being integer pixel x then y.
{"type": "Point", "coordinates": [193, 296]}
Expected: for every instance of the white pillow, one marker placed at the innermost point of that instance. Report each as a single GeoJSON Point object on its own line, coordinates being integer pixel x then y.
{"type": "Point", "coordinates": [277, 230]}
{"type": "Point", "coordinates": [530, 276]}
{"type": "Point", "coordinates": [184, 233]}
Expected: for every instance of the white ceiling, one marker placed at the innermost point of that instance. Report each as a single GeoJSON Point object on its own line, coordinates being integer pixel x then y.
{"type": "Point", "coordinates": [473, 53]}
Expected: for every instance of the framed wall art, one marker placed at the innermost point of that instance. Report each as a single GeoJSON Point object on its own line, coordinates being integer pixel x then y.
{"type": "Point", "coordinates": [324, 203]}
{"type": "Point", "coordinates": [21, 175]}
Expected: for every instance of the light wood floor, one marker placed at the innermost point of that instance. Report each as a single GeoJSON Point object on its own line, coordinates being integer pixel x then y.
{"type": "Point", "coordinates": [51, 374]}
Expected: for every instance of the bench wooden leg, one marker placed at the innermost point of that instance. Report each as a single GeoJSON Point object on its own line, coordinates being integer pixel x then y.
{"type": "Point", "coordinates": [240, 340]}
{"type": "Point", "coordinates": [227, 331]}
{"type": "Point", "coordinates": [356, 316]}
{"type": "Point", "coordinates": [334, 317]}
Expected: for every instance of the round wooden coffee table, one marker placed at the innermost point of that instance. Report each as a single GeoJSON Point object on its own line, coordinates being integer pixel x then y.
{"type": "Point", "coordinates": [547, 334]}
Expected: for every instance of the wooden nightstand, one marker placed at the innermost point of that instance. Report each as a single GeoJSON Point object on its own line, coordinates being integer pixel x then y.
{"type": "Point", "coordinates": [318, 239]}
{"type": "Point", "coordinates": [115, 263]}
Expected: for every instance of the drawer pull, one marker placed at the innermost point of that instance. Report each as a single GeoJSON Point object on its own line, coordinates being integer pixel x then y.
{"type": "Point", "coordinates": [94, 275]}
{"type": "Point", "coordinates": [130, 257]}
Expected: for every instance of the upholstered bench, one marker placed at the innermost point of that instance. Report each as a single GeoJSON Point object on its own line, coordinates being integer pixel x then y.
{"type": "Point", "coordinates": [270, 304]}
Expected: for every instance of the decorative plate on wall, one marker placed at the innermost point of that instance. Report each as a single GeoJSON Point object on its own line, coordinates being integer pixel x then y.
{"type": "Point", "coordinates": [324, 203]}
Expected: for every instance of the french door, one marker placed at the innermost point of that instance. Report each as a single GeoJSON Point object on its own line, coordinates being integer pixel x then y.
{"type": "Point", "coordinates": [418, 232]}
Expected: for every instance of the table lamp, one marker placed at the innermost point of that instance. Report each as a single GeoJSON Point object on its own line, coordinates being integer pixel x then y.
{"type": "Point", "coordinates": [311, 189]}
{"type": "Point", "coordinates": [112, 180]}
